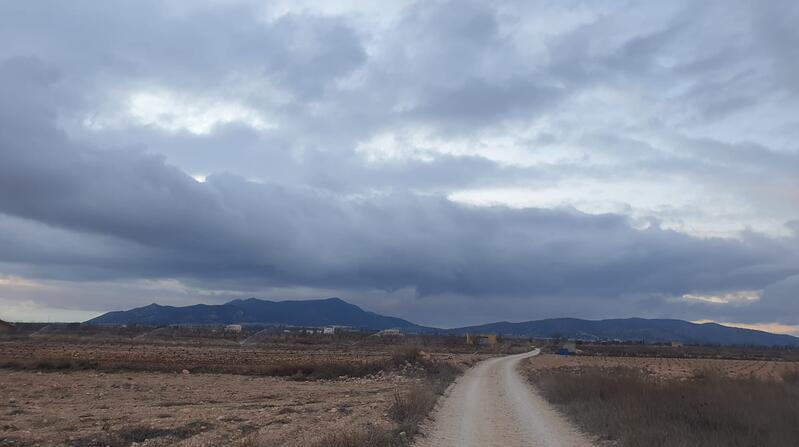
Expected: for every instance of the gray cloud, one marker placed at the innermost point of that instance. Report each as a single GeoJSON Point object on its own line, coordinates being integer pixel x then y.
{"type": "Point", "coordinates": [279, 235]}
{"type": "Point", "coordinates": [475, 97]}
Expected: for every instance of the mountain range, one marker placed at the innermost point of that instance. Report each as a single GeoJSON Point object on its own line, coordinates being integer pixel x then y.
{"type": "Point", "coordinates": [337, 312]}
{"type": "Point", "coordinates": [308, 313]}
{"type": "Point", "coordinates": [636, 329]}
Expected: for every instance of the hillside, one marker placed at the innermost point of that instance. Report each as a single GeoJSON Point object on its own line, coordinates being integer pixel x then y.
{"type": "Point", "coordinates": [331, 311]}
{"type": "Point", "coordinates": [636, 329]}
{"type": "Point", "coordinates": [334, 311]}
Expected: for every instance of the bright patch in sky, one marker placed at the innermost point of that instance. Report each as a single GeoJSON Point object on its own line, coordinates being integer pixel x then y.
{"type": "Point", "coordinates": [30, 311]}
{"type": "Point", "coordinates": [198, 116]}
{"type": "Point", "coordinates": [775, 328]}
{"type": "Point", "coordinates": [743, 296]}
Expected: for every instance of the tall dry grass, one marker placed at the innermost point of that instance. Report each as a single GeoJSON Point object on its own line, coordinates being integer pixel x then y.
{"type": "Point", "coordinates": [709, 410]}
{"type": "Point", "coordinates": [408, 408]}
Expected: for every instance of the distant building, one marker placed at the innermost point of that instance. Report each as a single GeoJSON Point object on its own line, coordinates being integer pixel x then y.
{"type": "Point", "coordinates": [330, 330]}
{"type": "Point", "coordinates": [233, 328]}
{"type": "Point", "coordinates": [481, 339]}
{"type": "Point", "coordinates": [676, 344]}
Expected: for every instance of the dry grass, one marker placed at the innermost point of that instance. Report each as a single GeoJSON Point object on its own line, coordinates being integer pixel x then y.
{"type": "Point", "coordinates": [632, 409]}
{"type": "Point", "coordinates": [126, 436]}
{"type": "Point", "coordinates": [687, 352]}
{"type": "Point", "coordinates": [408, 409]}
{"type": "Point", "coordinates": [299, 369]}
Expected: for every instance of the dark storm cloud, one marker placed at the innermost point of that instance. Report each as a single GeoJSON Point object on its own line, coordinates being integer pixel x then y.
{"type": "Point", "coordinates": [469, 95]}
{"type": "Point", "coordinates": [229, 227]}
{"type": "Point", "coordinates": [201, 47]}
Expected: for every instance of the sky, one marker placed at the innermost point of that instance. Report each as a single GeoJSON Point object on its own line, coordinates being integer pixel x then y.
{"type": "Point", "coordinates": [446, 162]}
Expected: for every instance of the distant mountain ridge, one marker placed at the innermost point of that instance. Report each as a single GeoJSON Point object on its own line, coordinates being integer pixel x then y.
{"type": "Point", "coordinates": [636, 329]}
{"type": "Point", "coordinates": [337, 312]}
{"type": "Point", "coordinates": [323, 312]}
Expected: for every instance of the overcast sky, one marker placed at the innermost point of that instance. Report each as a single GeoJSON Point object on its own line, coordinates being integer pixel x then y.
{"type": "Point", "coordinates": [446, 162]}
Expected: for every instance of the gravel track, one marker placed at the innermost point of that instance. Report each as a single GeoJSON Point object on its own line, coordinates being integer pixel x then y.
{"type": "Point", "coordinates": [492, 405]}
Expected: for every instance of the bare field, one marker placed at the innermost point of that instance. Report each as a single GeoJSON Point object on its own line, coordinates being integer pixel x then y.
{"type": "Point", "coordinates": [86, 408]}
{"type": "Point", "coordinates": [282, 393]}
{"type": "Point", "coordinates": [146, 357]}
{"type": "Point", "coordinates": [667, 368]}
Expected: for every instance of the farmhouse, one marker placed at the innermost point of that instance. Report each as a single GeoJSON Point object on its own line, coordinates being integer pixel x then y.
{"type": "Point", "coordinates": [481, 339]}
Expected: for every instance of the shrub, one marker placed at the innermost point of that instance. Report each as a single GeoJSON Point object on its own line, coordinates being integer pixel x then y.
{"type": "Point", "coordinates": [408, 354]}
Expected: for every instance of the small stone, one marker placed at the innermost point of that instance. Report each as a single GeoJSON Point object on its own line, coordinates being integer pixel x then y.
{"type": "Point", "coordinates": [185, 371]}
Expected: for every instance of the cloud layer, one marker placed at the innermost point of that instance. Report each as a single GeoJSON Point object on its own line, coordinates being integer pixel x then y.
{"type": "Point", "coordinates": [511, 159]}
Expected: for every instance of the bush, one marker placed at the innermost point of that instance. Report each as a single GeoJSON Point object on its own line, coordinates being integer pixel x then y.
{"type": "Point", "coordinates": [408, 354]}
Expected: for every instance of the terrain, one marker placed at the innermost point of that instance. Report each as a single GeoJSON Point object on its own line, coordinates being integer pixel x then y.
{"type": "Point", "coordinates": [71, 386]}
{"type": "Point", "coordinates": [90, 408]}
{"type": "Point", "coordinates": [95, 385]}
{"type": "Point", "coordinates": [337, 312]}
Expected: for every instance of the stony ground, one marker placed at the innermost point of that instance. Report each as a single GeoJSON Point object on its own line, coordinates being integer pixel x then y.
{"type": "Point", "coordinates": [86, 408]}
{"type": "Point", "coordinates": [96, 392]}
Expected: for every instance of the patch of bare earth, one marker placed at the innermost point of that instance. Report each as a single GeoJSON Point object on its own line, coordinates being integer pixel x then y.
{"type": "Point", "coordinates": [123, 394]}
{"type": "Point", "coordinates": [86, 408]}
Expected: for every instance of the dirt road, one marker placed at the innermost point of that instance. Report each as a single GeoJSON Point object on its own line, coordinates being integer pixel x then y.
{"type": "Point", "coordinates": [492, 405]}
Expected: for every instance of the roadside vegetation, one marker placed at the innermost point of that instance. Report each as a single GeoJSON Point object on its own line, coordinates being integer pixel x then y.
{"type": "Point", "coordinates": [409, 407]}
{"type": "Point", "coordinates": [407, 411]}
{"type": "Point", "coordinates": [628, 408]}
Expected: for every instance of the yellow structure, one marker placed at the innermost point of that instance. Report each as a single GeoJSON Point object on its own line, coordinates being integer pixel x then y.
{"type": "Point", "coordinates": [481, 339]}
